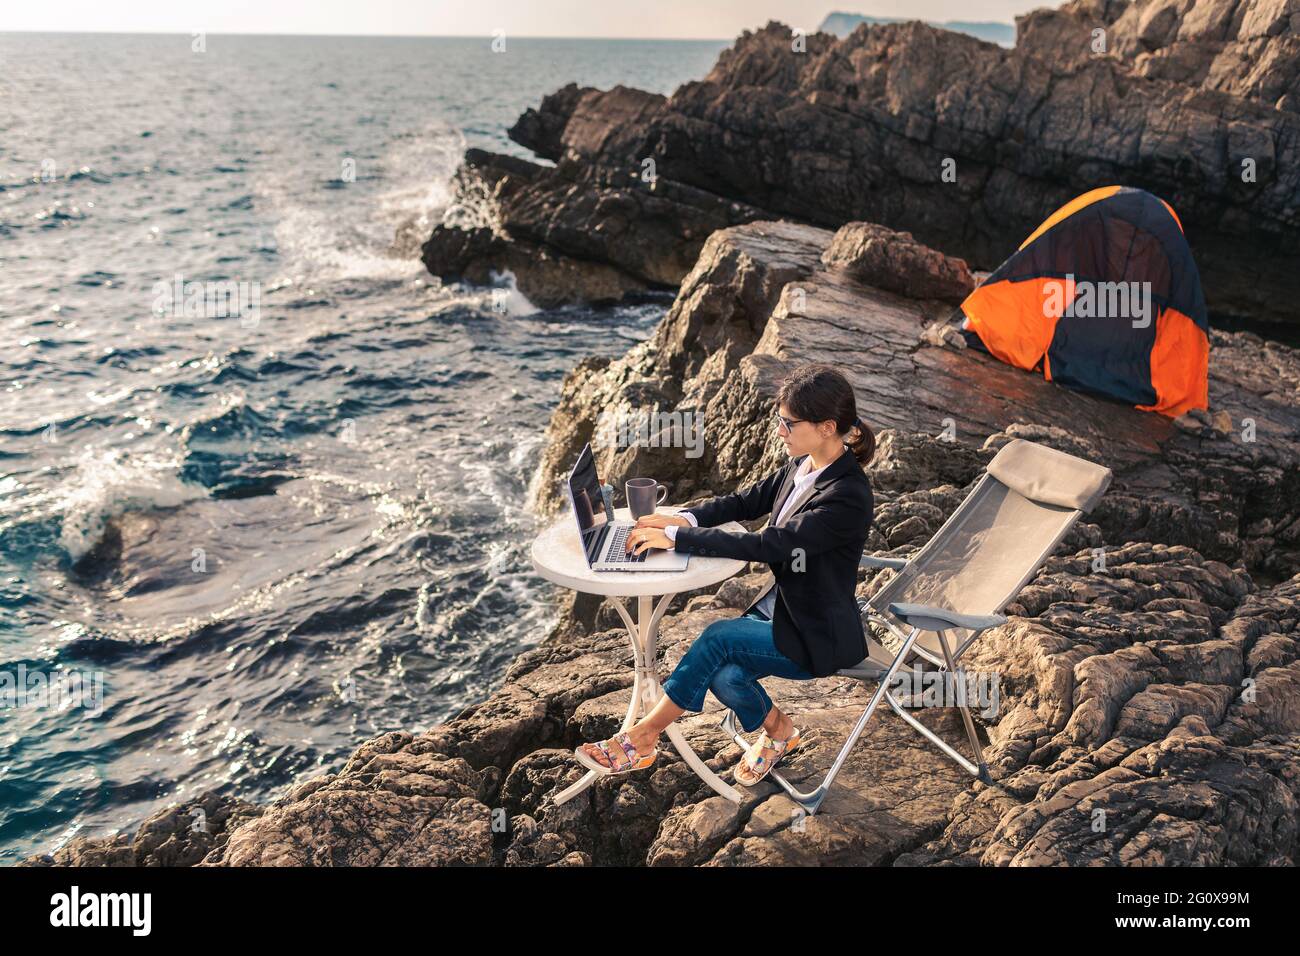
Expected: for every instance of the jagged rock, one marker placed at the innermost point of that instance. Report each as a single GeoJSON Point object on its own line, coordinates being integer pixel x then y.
{"type": "Point", "coordinates": [1246, 48]}
{"type": "Point", "coordinates": [1206, 489]}
{"type": "Point", "coordinates": [587, 121]}
{"type": "Point", "coordinates": [907, 461]}
{"type": "Point", "coordinates": [542, 129]}
{"type": "Point", "coordinates": [739, 592]}
{"type": "Point", "coordinates": [964, 144]}
{"type": "Point", "coordinates": [693, 833]}
{"type": "Point", "coordinates": [1178, 767]}
{"type": "Point", "coordinates": [475, 245]}
{"type": "Point", "coordinates": [895, 262]}
{"type": "Point", "coordinates": [716, 320]}
{"type": "Point", "coordinates": [179, 835]}
{"type": "Point", "coordinates": [575, 231]}
{"type": "Point", "coordinates": [393, 804]}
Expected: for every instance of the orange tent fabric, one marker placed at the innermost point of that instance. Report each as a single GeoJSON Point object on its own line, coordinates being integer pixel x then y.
{"type": "Point", "coordinates": [1104, 297]}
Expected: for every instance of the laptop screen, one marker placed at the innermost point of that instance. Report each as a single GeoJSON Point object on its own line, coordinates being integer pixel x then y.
{"type": "Point", "coordinates": [588, 502]}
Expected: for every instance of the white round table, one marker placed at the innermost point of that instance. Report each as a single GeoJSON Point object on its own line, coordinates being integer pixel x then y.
{"type": "Point", "coordinates": [557, 555]}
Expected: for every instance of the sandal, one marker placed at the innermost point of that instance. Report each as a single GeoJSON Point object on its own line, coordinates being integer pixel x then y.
{"type": "Point", "coordinates": [764, 754]}
{"type": "Point", "coordinates": [631, 759]}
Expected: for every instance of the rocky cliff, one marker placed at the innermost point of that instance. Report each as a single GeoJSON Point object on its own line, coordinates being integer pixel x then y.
{"type": "Point", "coordinates": [1147, 677]}
{"type": "Point", "coordinates": [965, 144]}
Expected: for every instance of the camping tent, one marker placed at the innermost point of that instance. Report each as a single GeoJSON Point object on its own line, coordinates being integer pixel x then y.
{"type": "Point", "coordinates": [1104, 297]}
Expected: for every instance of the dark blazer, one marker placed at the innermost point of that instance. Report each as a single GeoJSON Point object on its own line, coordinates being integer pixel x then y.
{"type": "Point", "coordinates": [815, 622]}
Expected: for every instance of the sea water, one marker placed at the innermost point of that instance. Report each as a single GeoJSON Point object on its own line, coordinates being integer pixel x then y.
{"type": "Point", "coordinates": [267, 533]}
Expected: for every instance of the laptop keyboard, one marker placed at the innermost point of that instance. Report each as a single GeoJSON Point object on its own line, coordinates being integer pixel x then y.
{"type": "Point", "coordinates": [618, 553]}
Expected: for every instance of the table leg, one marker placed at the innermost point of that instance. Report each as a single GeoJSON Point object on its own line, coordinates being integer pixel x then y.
{"type": "Point", "coordinates": [634, 707]}
{"type": "Point", "coordinates": [700, 767]}
{"type": "Point", "coordinates": [654, 692]}
{"type": "Point", "coordinates": [588, 778]}
{"type": "Point", "coordinates": [644, 635]}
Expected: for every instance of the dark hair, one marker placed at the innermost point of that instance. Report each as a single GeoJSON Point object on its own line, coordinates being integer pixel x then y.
{"type": "Point", "coordinates": [820, 393]}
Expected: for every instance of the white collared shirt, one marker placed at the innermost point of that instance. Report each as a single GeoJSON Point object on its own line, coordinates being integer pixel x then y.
{"type": "Point", "coordinates": [802, 479]}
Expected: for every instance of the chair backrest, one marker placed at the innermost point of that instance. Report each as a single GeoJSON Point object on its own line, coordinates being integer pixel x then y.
{"type": "Point", "coordinates": [999, 537]}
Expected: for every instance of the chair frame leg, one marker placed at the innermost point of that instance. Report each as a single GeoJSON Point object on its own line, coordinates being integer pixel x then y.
{"type": "Point", "coordinates": [810, 801]}
{"type": "Point", "coordinates": [950, 658]}
{"type": "Point", "coordinates": [963, 704]}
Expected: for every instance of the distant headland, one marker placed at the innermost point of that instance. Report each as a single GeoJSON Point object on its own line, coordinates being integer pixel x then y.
{"type": "Point", "coordinates": [842, 24]}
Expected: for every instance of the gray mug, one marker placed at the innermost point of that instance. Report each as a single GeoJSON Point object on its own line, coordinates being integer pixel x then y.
{"type": "Point", "coordinates": [643, 495]}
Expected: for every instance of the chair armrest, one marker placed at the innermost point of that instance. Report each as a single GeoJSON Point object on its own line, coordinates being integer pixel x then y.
{"type": "Point", "coordinates": [929, 618]}
{"type": "Point", "coordinates": [871, 561]}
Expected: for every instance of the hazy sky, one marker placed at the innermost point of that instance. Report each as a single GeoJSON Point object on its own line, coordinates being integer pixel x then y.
{"type": "Point", "coordinates": [600, 18]}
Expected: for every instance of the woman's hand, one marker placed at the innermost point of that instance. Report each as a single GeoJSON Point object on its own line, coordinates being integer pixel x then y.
{"type": "Point", "coordinates": [662, 521]}
{"type": "Point", "coordinates": [641, 539]}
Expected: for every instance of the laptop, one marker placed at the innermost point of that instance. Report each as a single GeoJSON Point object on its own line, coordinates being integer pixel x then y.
{"type": "Point", "coordinates": [604, 541]}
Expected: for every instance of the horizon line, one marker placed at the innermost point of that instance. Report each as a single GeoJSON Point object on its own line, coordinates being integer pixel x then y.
{"type": "Point", "coordinates": [466, 36]}
{"type": "Point", "coordinates": [382, 36]}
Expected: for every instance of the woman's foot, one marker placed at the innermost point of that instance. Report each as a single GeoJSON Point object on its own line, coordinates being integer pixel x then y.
{"type": "Point", "coordinates": [783, 729]}
{"type": "Point", "coordinates": [633, 750]}
{"type": "Point", "coordinates": [765, 753]}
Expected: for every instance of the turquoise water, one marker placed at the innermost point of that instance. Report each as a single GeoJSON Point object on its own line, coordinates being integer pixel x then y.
{"type": "Point", "coordinates": [266, 536]}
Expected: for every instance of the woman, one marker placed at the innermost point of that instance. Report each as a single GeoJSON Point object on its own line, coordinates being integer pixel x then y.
{"type": "Point", "coordinates": [807, 624]}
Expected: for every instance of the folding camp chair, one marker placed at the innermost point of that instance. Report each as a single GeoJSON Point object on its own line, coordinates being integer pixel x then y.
{"type": "Point", "coordinates": [991, 547]}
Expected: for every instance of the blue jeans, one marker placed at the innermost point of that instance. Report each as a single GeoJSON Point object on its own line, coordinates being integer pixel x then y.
{"type": "Point", "coordinates": [728, 658]}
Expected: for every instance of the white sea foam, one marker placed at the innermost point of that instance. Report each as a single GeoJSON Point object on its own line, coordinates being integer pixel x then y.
{"type": "Point", "coordinates": [350, 233]}
{"type": "Point", "coordinates": [107, 483]}
{"type": "Point", "coordinates": [507, 294]}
